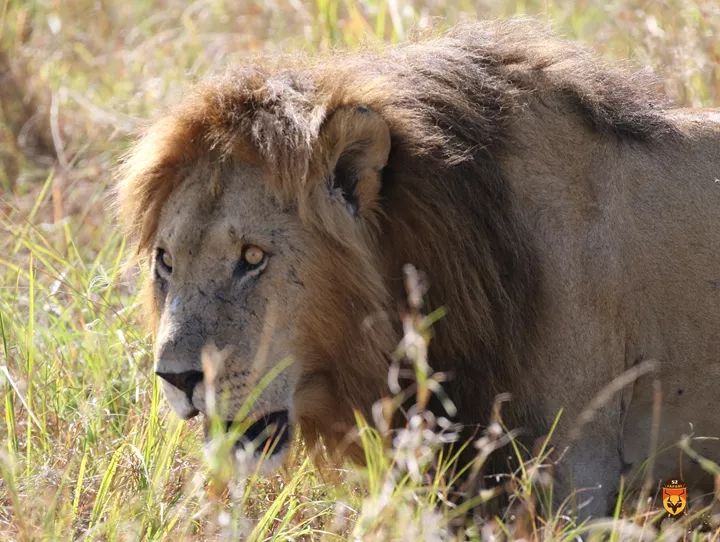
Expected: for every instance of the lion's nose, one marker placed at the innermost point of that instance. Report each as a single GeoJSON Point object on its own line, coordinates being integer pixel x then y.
{"type": "Point", "coordinates": [184, 381]}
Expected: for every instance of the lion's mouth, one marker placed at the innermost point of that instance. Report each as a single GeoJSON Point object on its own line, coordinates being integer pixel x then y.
{"type": "Point", "coordinates": [269, 435]}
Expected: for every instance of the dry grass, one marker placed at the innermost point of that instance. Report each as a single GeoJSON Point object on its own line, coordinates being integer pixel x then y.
{"type": "Point", "coordinates": [89, 449]}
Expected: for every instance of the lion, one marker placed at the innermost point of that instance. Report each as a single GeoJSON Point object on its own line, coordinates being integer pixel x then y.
{"type": "Point", "coordinates": [566, 215]}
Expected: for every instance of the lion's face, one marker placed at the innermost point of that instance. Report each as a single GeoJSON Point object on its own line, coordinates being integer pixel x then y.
{"type": "Point", "coordinates": [261, 286]}
{"type": "Point", "coordinates": [226, 286]}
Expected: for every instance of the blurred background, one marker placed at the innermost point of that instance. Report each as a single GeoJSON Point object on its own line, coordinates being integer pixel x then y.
{"type": "Point", "coordinates": [88, 448]}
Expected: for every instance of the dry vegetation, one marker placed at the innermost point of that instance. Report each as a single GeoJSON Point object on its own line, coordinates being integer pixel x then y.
{"type": "Point", "coordinates": [89, 450]}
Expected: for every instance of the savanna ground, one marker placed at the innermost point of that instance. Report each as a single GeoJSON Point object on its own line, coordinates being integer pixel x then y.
{"type": "Point", "coordinates": [89, 449]}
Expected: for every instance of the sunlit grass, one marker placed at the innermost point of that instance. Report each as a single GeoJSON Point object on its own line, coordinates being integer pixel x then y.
{"type": "Point", "coordinates": [88, 449]}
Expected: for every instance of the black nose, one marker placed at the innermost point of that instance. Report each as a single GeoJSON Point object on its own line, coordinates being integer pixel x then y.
{"type": "Point", "coordinates": [183, 381]}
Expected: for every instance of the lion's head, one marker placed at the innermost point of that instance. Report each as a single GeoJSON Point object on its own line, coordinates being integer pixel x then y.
{"type": "Point", "coordinates": [246, 279]}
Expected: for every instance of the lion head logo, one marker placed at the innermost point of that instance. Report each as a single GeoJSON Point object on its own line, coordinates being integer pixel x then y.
{"type": "Point", "coordinates": [674, 497]}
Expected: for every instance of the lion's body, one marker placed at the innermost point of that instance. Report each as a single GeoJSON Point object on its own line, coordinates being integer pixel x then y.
{"type": "Point", "coordinates": [627, 236]}
{"type": "Point", "coordinates": [570, 225]}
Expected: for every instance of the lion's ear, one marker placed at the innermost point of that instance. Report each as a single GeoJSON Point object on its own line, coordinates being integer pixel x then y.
{"type": "Point", "coordinates": [358, 141]}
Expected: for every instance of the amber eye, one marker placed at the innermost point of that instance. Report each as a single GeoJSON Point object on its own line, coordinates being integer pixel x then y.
{"type": "Point", "coordinates": [163, 261]}
{"type": "Point", "coordinates": [253, 256]}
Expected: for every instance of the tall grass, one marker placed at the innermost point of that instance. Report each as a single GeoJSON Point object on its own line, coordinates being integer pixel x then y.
{"type": "Point", "coordinates": [89, 449]}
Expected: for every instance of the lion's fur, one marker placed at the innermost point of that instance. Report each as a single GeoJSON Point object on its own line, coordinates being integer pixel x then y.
{"type": "Point", "coordinates": [451, 103]}
{"type": "Point", "coordinates": [449, 97]}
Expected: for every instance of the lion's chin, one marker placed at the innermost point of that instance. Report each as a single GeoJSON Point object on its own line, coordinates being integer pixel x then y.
{"type": "Point", "coordinates": [249, 462]}
{"type": "Point", "coordinates": [264, 445]}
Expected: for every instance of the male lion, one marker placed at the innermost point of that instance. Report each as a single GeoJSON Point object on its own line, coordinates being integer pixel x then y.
{"type": "Point", "coordinates": [566, 217]}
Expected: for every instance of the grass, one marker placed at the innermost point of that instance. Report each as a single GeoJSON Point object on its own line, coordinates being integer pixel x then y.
{"type": "Point", "coordinates": [89, 449]}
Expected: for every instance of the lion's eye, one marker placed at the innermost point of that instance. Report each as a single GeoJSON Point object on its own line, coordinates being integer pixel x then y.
{"type": "Point", "coordinates": [163, 261]}
{"type": "Point", "coordinates": [252, 259]}
{"type": "Point", "coordinates": [253, 256]}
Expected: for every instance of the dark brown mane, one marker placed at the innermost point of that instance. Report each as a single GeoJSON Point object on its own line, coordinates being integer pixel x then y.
{"type": "Point", "coordinates": [448, 96]}
{"type": "Point", "coordinates": [448, 102]}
